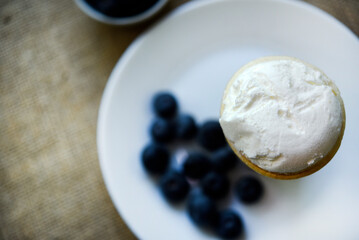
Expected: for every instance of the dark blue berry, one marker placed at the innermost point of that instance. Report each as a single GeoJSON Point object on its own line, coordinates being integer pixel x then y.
{"type": "Point", "coordinates": [230, 225]}
{"type": "Point", "coordinates": [249, 189]}
{"type": "Point", "coordinates": [196, 165]}
{"type": "Point", "coordinates": [224, 159]}
{"type": "Point", "coordinates": [215, 185]}
{"type": "Point", "coordinates": [155, 158]}
{"type": "Point", "coordinates": [210, 135]}
{"type": "Point", "coordinates": [202, 210]}
{"type": "Point", "coordinates": [165, 105]}
{"type": "Point", "coordinates": [186, 127]}
{"type": "Point", "coordinates": [162, 131]}
{"type": "Point", "coordinates": [174, 186]}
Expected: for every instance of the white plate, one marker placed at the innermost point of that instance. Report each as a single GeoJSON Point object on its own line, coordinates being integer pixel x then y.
{"type": "Point", "coordinates": [193, 53]}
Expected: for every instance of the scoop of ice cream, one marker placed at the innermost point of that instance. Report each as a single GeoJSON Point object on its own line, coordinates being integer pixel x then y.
{"type": "Point", "coordinates": [282, 114]}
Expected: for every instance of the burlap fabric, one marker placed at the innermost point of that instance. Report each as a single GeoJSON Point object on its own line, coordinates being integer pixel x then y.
{"type": "Point", "coordinates": [54, 64]}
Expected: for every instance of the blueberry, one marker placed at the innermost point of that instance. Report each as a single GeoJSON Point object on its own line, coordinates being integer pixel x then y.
{"type": "Point", "coordinates": [202, 210]}
{"type": "Point", "coordinates": [224, 159]}
{"type": "Point", "coordinates": [230, 225]}
{"type": "Point", "coordinates": [210, 135]}
{"type": "Point", "coordinates": [162, 131]}
{"type": "Point", "coordinates": [174, 186]}
{"type": "Point", "coordinates": [215, 185]}
{"type": "Point", "coordinates": [186, 127]}
{"type": "Point", "coordinates": [155, 158]}
{"type": "Point", "coordinates": [196, 165]}
{"type": "Point", "coordinates": [165, 105]}
{"type": "Point", "coordinates": [249, 189]}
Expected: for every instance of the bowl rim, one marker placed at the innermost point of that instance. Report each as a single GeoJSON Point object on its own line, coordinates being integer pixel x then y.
{"type": "Point", "coordinates": [120, 21]}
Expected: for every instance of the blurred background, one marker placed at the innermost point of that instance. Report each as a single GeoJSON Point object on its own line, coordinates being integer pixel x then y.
{"type": "Point", "coordinates": [54, 65]}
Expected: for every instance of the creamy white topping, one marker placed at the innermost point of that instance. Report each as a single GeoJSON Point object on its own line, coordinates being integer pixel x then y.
{"type": "Point", "coordinates": [282, 114]}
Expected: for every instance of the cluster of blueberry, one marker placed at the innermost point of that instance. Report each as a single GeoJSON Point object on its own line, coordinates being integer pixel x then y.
{"type": "Point", "coordinates": [208, 171]}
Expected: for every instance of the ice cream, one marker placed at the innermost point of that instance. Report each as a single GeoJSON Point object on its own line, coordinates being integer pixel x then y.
{"type": "Point", "coordinates": [282, 116]}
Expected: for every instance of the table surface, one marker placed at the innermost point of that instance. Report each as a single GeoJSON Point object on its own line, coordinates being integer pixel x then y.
{"type": "Point", "coordinates": [54, 65]}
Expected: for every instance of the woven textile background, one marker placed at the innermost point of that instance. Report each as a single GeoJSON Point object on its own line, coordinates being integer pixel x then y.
{"type": "Point", "coordinates": [54, 64]}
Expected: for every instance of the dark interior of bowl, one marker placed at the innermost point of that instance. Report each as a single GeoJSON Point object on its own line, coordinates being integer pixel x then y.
{"type": "Point", "coordinates": [121, 8]}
